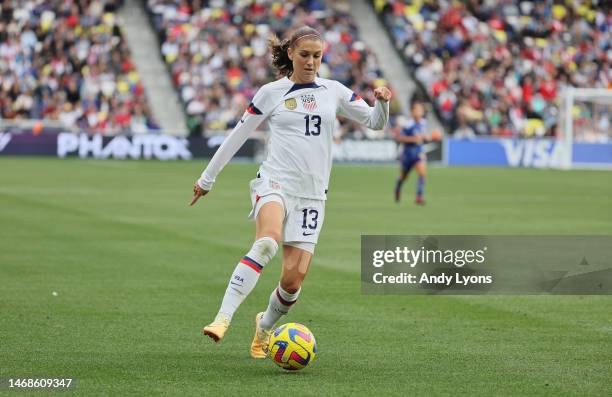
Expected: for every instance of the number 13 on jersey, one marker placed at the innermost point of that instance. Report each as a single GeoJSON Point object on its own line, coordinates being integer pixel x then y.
{"type": "Point", "coordinates": [316, 120]}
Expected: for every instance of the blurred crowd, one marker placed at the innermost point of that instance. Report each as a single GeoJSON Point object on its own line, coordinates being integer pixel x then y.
{"type": "Point", "coordinates": [497, 67]}
{"type": "Point", "coordinates": [66, 60]}
{"type": "Point", "coordinates": [217, 53]}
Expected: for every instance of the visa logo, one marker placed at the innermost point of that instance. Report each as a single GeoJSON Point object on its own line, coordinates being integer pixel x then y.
{"type": "Point", "coordinates": [533, 153]}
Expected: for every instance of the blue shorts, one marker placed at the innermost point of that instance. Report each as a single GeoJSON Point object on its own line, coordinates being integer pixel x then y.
{"type": "Point", "coordinates": [409, 161]}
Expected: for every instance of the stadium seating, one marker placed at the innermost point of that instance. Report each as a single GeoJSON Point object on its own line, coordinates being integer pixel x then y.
{"type": "Point", "coordinates": [67, 61]}
{"type": "Point", "coordinates": [497, 67]}
{"type": "Point", "coordinates": [217, 54]}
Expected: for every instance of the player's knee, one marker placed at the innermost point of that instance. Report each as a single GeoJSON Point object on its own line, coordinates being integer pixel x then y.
{"type": "Point", "coordinates": [291, 286]}
{"type": "Point", "coordinates": [272, 234]}
{"type": "Point", "coordinates": [266, 247]}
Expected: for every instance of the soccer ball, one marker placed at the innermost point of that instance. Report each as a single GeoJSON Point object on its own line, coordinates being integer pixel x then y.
{"type": "Point", "coordinates": [292, 346]}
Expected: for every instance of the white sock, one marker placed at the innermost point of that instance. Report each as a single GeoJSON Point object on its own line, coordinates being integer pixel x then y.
{"type": "Point", "coordinates": [279, 305]}
{"type": "Point", "coordinates": [246, 274]}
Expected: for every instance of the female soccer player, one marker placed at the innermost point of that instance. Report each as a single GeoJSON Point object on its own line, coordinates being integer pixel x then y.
{"type": "Point", "coordinates": [288, 195]}
{"type": "Point", "coordinates": [412, 135]}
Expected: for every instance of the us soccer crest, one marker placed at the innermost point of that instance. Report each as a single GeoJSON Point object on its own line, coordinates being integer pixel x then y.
{"type": "Point", "coordinates": [309, 102]}
{"type": "Point", "coordinates": [291, 103]}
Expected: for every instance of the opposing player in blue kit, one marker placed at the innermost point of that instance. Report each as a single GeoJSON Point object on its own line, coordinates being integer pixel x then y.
{"type": "Point", "coordinates": [288, 195]}
{"type": "Point", "coordinates": [412, 135]}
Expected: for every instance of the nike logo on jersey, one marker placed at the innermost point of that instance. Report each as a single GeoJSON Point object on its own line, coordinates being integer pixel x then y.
{"type": "Point", "coordinates": [307, 234]}
{"type": "Point", "coordinates": [231, 282]}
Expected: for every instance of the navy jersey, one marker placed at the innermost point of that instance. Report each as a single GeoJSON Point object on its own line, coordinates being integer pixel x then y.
{"type": "Point", "coordinates": [413, 128]}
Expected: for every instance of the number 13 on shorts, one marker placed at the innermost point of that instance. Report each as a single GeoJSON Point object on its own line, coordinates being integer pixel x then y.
{"type": "Point", "coordinates": [309, 222]}
{"type": "Point", "coordinates": [306, 223]}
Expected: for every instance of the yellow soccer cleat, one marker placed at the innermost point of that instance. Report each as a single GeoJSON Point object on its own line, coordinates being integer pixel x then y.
{"type": "Point", "coordinates": [217, 328]}
{"type": "Point", "coordinates": [259, 346]}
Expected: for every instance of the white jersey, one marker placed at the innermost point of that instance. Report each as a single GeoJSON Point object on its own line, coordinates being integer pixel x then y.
{"type": "Point", "coordinates": [302, 119]}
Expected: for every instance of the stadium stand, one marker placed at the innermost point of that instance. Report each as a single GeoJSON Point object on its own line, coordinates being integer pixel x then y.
{"type": "Point", "coordinates": [66, 60]}
{"type": "Point", "coordinates": [497, 67]}
{"type": "Point", "coordinates": [217, 53]}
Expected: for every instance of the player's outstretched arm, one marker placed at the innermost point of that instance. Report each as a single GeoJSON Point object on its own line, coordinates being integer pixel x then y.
{"type": "Point", "coordinates": [251, 119]}
{"type": "Point", "coordinates": [222, 156]}
{"type": "Point", "coordinates": [409, 139]}
{"type": "Point", "coordinates": [355, 108]}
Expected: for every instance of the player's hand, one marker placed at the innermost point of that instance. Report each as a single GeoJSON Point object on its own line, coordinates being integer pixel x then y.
{"type": "Point", "coordinates": [197, 193]}
{"type": "Point", "coordinates": [382, 94]}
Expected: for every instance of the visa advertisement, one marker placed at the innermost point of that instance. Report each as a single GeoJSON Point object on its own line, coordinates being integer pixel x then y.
{"type": "Point", "coordinates": [531, 153]}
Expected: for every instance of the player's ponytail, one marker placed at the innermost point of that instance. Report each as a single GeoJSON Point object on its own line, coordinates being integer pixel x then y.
{"type": "Point", "coordinates": [278, 48]}
{"type": "Point", "coordinates": [280, 58]}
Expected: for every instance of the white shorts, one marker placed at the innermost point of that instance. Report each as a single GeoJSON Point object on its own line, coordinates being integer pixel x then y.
{"type": "Point", "coordinates": [303, 217]}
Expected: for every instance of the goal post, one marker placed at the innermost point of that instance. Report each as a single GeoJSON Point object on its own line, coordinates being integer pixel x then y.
{"type": "Point", "coordinates": [585, 123]}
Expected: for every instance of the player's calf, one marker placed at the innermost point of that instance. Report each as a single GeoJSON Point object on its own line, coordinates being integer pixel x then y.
{"type": "Point", "coordinates": [420, 190]}
{"type": "Point", "coordinates": [243, 280]}
{"type": "Point", "coordinates": [279, 304]}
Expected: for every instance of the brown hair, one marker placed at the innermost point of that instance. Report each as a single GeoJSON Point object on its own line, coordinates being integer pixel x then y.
{"type": "Point", "coordinates": [278, 48]}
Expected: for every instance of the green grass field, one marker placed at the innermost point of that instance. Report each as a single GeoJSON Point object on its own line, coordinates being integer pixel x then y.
{"type": "Point", "coordinates": [138, 273]}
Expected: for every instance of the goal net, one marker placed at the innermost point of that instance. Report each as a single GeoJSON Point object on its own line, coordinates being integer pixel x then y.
{"type": "Point", "coordinates": [585, 127]}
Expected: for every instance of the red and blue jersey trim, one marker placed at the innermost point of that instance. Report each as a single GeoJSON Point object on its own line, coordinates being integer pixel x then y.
{"type": "Point", "coordinates": [355, 97]}
{"type": "Point", "coordinates": [252, 109]}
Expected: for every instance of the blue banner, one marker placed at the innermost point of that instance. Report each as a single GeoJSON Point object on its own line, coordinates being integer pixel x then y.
{"type": "Point", "coordinates": [537, 153]}
{"type": "Point", "coordinates": [592, 154]}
